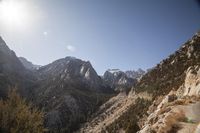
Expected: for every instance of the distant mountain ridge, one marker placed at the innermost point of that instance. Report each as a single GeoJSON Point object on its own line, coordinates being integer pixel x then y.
{"type": "Point", "coordinates": [120, 80]}
{"type": "Point", "coordinates": [135, 74]}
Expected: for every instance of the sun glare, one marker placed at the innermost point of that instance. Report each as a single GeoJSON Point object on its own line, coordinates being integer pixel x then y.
{"type": "Point", "coordinates": [13, 13]}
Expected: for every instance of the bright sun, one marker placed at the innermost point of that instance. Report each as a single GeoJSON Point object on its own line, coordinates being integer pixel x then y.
{"type": "Point", "coordinates": [13, 13]}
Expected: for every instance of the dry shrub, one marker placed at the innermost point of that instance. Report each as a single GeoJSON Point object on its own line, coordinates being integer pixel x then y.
{"type": "Point", "coordinates": [17, 116]}
{"type": "Point", "coordinates": [169, 121]}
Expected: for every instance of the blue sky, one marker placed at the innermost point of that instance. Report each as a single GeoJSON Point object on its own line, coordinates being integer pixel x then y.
{"type": "Point", "coordinates": [124, 34]}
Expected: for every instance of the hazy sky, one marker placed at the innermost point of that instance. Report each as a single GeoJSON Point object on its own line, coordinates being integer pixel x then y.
{"type": "Point", "coordinates": [124, 34]}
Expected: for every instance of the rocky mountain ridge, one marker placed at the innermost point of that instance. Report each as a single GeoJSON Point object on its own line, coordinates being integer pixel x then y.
{"type": "Point", "coordinates": [72, 70]}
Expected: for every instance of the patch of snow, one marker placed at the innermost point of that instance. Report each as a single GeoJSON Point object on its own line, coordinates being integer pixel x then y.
{"type": "Point", "coordinates": [82, 69]}
{"type": "Point", "coordinates": [87, 74]}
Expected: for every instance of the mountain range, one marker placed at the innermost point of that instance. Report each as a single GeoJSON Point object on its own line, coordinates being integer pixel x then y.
{"type": "Point", "coordinates": [69, 90]}
{"type": "Point", "coordinates": [165, 99]}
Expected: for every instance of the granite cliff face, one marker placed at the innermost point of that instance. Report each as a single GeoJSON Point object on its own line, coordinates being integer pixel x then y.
{"type": "Point", "coordinates": [70, 90]}
{"type": "Point", "coordinates": [73, 71]}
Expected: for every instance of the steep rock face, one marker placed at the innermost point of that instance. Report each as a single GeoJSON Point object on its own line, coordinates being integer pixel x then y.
{"type": "Point", "coordinates": [12, 72]}
{"type": "Point", "coordinates": [170, 73]}
{"type": "Point", "coordinates": [28, 65]}
{"type": "Point", "coordinates": [176, 109]}
{"type": "Point", "coordinates": [118, 80]}
{"type": "Point", "coordinates": [69, 90]}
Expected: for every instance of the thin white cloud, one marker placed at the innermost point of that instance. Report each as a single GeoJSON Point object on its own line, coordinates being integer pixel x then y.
{"type": "Point", "coordinates": [71, 48]}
